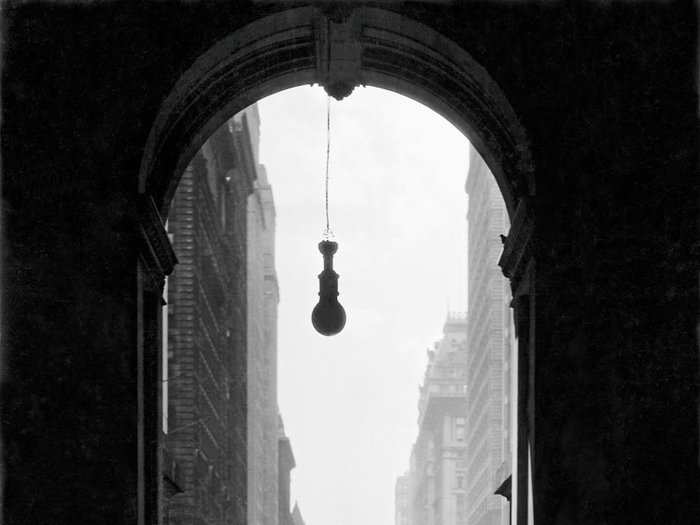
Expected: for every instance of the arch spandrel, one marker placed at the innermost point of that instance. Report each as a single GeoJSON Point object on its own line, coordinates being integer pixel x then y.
{"type": "Point", "coordinates": [360, 46]}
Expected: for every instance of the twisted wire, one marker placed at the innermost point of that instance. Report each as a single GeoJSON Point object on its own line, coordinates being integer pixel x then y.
{"type": "Point", "coordinates": [327, 233]}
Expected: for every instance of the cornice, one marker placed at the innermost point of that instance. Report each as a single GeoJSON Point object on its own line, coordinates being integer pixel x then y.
{"type": "Point", "coordinates": [517, 246]}
{"type": "Point", "coordinates": [156, 252]}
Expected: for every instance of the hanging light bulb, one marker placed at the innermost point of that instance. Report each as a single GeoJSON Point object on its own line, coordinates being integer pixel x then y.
{"type": "Point", "coordinates": [328, 316]}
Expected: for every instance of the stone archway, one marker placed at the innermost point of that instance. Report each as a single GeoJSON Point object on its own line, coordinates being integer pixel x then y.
{"type": "Point", "coordinates": [608, 95]}
{"type": "Point", "coordinates": [341, 48]}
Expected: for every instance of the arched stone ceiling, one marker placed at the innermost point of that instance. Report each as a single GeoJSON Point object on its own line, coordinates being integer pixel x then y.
{"type": "Point", "coordinates": [338, 49]}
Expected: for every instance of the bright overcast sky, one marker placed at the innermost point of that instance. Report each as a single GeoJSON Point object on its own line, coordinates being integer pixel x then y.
{"type": "Point", "coordinates": [398, 209]}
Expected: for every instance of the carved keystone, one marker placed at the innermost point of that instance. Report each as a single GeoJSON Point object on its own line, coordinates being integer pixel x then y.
{"type": "Point", "coordinates": [338, 50]}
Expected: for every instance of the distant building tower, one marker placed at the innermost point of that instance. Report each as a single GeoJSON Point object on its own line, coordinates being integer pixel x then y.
{"type": "Point", "coordinates": [437, 483]}
{"type": "Point", "coordinates": [489, 362]}
{"type": "Point", "coordinates": [286, 464]}
{"type": "Point", "coordinates": [296, 516]}
{"type": "Point", "coordinates": [263, 298]}
{"type": "Point", "coordinates": [401, 500]}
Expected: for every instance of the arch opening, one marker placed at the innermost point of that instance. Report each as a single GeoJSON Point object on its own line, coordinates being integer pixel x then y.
{"type": "Point", "coordinates": [286, 49]}
{"type": "Point", "coordinates": [416, 194]}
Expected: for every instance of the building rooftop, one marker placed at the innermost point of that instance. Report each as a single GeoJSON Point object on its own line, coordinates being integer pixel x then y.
{"type": "Point", "coordinates": [445, 373]}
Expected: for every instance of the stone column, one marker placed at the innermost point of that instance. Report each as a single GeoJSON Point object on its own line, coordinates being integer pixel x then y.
{"type": "Point", "coordinates": [156, 260]}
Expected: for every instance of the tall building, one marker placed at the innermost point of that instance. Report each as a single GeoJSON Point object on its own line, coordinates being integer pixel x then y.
{"type": "Point", "coordinates": [489, 354]}
{"type": "Point", "coordinates": [436, 483]}
{"type": "Point", "coordinates": [263, 298]}
{"type": "Point", "coordinates": [207, 327]}
{"type": "Point", "coordinates": [297, 518]}
{"type": "Point", "coordinates": [286, 463]}
{"type": "Point", "coordinates": [402, 515]}
{"type": "Point", "coordinates": [220, 384]}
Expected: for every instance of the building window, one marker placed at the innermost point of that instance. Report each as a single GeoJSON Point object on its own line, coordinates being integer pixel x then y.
{"type": "Point", "coordinates": [461, 509]}
{"type": "Point", "coordinates": [212, 181]}
{"type": "Point", "coordinates": [222, 208]}
{"type": "Point", "coordinates": [459, 428]}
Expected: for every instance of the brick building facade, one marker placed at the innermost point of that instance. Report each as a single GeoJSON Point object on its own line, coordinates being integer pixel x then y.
{"type": "Point", "coordinates": [207, 319]}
